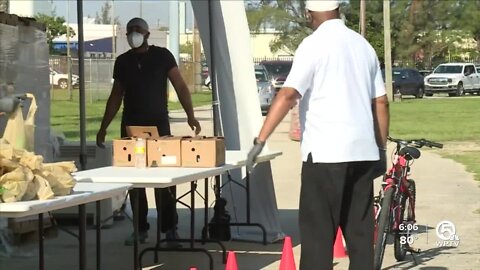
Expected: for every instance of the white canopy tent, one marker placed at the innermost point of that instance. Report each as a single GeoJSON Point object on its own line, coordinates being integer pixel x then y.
{"type": "Point", "coordinates": [226, 40]}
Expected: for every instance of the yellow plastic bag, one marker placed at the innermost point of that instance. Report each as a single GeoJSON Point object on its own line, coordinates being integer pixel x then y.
{"type": "Point", "coordinates": [18, 132]}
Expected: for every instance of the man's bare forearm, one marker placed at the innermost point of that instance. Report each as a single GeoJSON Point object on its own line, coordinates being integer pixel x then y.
{"type": "Point", "coordinates": [381, 118]}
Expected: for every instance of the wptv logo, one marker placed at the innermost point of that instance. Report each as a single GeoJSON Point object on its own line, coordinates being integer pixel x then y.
{"type": "Point", "coordinates": [447, 234]}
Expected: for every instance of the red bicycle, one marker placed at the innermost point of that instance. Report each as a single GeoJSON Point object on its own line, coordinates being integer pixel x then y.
{"type": "Point", "coordinates": [395, 204]}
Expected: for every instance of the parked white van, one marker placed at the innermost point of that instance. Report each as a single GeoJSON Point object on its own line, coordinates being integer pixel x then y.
{"type": "Point", "coordinates": [455, 79]}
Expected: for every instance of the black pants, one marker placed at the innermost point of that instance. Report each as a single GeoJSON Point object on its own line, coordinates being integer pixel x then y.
{"type": "Point", "coordinates": [333, 195]}
{"type": "Point", "coordinates": [165, 200]}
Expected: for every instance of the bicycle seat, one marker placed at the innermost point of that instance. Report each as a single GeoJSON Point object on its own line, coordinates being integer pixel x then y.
{"type": "Point", "coordinates": [409, 152]}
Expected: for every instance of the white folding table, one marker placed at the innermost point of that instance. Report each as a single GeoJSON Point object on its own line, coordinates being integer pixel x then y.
{"type": "Point", "coordinates": [82, 194]}
{"type": "Point", "coordinates": [163, 177]}
{"type": "Point", "coordinates": [157, 177]}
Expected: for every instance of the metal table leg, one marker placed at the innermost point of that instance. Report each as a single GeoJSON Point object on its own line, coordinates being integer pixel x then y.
{"type": "Point", "coordinates": [99, 234]}
{"type": "Point", "coordinates": [248, 223]}
{"type": "Point", "coordinates": [82, 227]}
{"type": "Point", "coordinates": [159, 225]}
{"type": "Point", "coordinates": [41, 262]}
{"type": "Point", "coordinates": [135, 230]}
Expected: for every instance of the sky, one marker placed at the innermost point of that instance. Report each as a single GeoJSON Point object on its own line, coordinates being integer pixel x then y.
{"type": "Point", "coordinates": [155, 12]}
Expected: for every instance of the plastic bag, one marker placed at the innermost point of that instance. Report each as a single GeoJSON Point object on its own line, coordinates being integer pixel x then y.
{"type": "Point", "coordinates": [18, 132]}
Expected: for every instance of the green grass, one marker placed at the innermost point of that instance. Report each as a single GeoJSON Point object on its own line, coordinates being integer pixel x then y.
{"type": "Point", "coordinates": [471, 159]}
{"type": "Point", "coordinates": [450, 119]}
{"type": "Point", "coordinates": [442, 120]}
{"type": "Point", "coordinates": [65, 114]}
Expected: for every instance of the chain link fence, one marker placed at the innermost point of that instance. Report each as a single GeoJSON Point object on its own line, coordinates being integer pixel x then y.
{"type": "Point", "coordinates": [99, 74]}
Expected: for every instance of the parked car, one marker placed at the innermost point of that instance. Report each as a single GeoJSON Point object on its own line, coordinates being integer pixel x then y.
{"type": "Point", "coordinates": [61, 80]}
{"type": "Point", "coordinates": [278, 69]}
{"type": "Point", "coordinates": [455, 79]}
{"type": "Point", "coordinates": [407, 81]}
{"type": "Point", "coordinates": [265, 87]}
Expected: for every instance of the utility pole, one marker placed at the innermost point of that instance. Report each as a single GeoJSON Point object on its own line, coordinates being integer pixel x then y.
{"type": "Point", "coordinates": [388, 49]}
{"type": "Point", "coordinates": [69, 57]}
{"type": "Point", "coordinates": [362, 17]}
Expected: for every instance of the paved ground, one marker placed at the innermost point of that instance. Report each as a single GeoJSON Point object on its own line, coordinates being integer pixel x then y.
{"type": "Point", "coordinates": [444, 192]}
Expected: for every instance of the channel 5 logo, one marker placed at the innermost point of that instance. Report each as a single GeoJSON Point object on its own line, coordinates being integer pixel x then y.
{"type": "Point", "coordinates": [447, 234]}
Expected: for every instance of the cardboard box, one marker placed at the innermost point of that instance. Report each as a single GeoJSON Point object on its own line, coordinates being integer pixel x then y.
{"type": "Point", "coordinates": [123, 152]}
{"type": "Point", "coordinates": [203, 152]}
{"type": "Point", "coordinates": [124, 148]}
{"type": "Point", "coordinates": [164, 152]}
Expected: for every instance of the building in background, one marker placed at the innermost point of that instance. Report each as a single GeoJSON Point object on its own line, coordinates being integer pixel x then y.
{"type": "Point", "coordinates": [98, 40]}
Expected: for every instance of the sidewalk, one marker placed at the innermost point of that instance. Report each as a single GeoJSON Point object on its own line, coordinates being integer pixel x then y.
{"type": "Point", "coordinates": [444, 192]}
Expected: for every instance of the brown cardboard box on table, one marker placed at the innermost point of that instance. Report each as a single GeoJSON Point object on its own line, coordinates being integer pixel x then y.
{"type": "Point", "coordinates": [124, 152]}
{"type": "Point", "coordinates": [124, 148]}
{"type": "Point", "coordinates": [203, 152]}
{"type": "Point", "coordinates": [164, 152]}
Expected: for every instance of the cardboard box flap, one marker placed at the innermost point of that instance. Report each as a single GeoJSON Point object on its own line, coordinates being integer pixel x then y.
{"type": "Point", "coordinates": [204, 138]}
{"type": "Point", "coordinates": [142, 131]}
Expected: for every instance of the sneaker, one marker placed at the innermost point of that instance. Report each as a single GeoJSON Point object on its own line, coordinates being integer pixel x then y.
{"type": "Point", "coordinates": [142, 238]}
{"type": "Point", "coordinates": [171, 236]}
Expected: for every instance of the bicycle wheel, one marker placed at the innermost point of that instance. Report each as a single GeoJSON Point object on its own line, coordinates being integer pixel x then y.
{"type": "Point", "coordinates": [383, 229]}
{"type": "Point", "coordinates": [402, 238]}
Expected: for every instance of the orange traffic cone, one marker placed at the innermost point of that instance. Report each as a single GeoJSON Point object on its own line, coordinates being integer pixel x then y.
{"type": "Point", "coordinates": [338, 248]}
{"type": "Point", "coordinates": [288, 261]}
{"type": "Point", "coordinates": [231, 261]}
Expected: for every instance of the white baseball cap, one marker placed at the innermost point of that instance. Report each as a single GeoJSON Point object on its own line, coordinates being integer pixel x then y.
{"type": "Point", "coordinates": [321, 5]}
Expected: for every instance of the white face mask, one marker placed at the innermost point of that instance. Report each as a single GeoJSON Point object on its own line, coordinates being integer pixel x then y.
{"type": "Point", "coordinates": [135, 39]}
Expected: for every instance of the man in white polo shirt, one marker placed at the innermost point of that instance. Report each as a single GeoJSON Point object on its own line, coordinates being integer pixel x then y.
{"type": "Point", "coordinates": [344, 125]}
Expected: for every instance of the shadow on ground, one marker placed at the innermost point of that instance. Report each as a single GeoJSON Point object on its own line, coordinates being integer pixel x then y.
{"type": "Point", "coordinates": [61, 251]}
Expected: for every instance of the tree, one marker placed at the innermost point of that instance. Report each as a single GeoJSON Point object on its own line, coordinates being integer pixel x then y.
{"type": "Point", "coordinates": [288, 19]}
{"type": "Point", "coordinates": [468, 12]}
{"type": "Point", "coordinates": [373, 22]}
{"type": "Point", "coordinates": [55, 27]}
{"type": "Point", "coordinates": [187, 47]}
{"type": "Point", "coordinates": [105, 17]}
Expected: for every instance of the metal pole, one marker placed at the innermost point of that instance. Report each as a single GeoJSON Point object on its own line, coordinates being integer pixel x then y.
{"type": "Point", "coordinates": [213, 74]}
{"type": "Point", "coordinates": [388, 49]}
{"type": "Point", "coordinates": [82, 238]}
{"type": "Point", "coordinates": [173, 42]}
{"type": "Point", "coordinates": [213, 80]}
{"type": "Point", "coordinates": [362, 17]}
{"type": "Point", "coordinates": [99, 233]}
{"type": "Point", "coordinates": [197, 59]}
{"type": "Point", "coordinates": [69, 62]}
{"type": "Point", "coordinates": [41, 251]}
{"type": "Point", "coordinates": [81, 92]}
{"type": "Point", "coordinates": [113, 31]}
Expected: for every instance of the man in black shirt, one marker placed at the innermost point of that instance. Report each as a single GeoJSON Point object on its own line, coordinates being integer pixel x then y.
{"type": "Point", "coordinates": [140, 80]}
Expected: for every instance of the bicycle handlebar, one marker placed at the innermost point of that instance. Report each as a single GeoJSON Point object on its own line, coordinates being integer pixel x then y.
{"type": "Point", "coordinates": [418, 143]}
